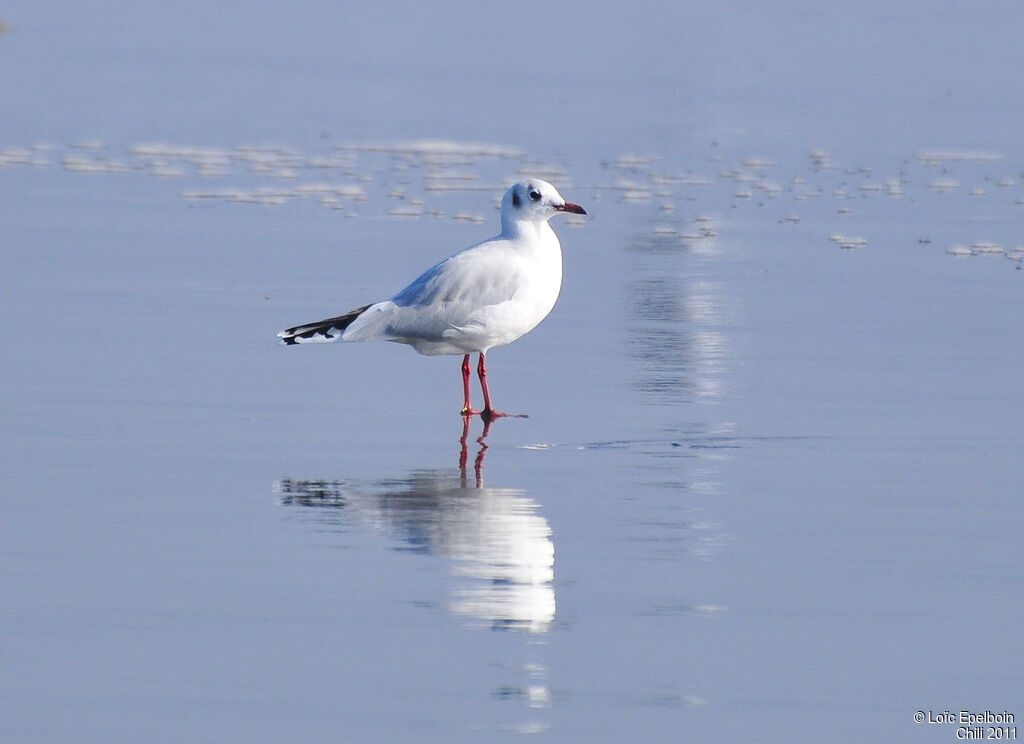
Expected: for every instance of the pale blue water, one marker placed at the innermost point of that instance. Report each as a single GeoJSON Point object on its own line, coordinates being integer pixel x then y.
{"type": "Point", "coordinates": [769, 486]}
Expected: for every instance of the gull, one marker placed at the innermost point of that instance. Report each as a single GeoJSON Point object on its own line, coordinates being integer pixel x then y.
{"type": "Point", "coordinates": [483, 297]}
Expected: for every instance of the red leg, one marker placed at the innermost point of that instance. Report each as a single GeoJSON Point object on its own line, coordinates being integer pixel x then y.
{"type": "Point", "coordinates": [481, 370]}
{"type": "Point", "coordinates": [467, 408]}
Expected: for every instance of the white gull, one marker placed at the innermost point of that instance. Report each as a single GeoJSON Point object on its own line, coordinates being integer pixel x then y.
{"type": "Point", "coordinates": [483, 297]}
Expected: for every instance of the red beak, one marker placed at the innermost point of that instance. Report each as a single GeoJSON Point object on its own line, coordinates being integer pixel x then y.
{"type": "Point", "coordinates": [570, 207]}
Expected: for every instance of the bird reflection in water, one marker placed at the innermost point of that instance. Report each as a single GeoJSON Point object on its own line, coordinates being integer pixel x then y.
{"type": "Point", "coordinates": [500, 546]}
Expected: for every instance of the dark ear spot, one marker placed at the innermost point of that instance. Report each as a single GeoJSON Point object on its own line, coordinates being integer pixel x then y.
{"type": "Point", "coordinates": [515, 199]}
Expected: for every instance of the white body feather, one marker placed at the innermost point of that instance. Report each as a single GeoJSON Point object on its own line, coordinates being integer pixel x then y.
{"type": "Point", "coordinates": [483, 297]}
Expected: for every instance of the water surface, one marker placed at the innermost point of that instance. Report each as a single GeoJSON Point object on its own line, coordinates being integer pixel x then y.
{"type": "Point", "coordinates": [769, 482]}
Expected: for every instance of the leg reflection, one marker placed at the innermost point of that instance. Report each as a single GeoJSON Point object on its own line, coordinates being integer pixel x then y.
{"type": "Point", "coordinates": [478, 463]}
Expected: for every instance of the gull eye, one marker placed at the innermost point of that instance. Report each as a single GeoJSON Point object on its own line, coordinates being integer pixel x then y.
{"type": "Point", "coordinates": [535, 195]}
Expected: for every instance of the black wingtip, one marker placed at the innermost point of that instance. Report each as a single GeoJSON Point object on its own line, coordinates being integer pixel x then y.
{"type": "Point", "coordinates": [330, 329]}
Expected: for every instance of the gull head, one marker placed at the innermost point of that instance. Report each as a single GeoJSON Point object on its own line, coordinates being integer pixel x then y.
{"type": "Point", "coordinates": [534, 200]}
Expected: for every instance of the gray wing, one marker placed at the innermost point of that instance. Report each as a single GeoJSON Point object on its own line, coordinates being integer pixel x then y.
{"type": "Point", "coordinates": [454, 294]}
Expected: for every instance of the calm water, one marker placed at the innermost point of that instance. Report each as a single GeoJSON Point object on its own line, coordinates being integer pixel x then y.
{"type": "Point", "coordinates": [769, 485]}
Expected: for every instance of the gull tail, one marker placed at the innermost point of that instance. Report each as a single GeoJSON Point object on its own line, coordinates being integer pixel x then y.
{"type": "Point", "coordinates": [322, 331]}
